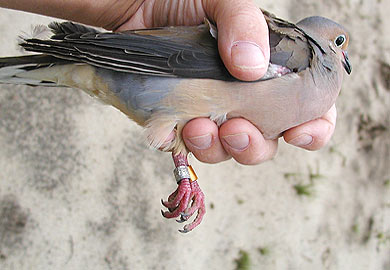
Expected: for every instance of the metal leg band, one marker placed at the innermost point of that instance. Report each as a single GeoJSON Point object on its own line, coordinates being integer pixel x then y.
{"type": "Point", "coordinates": [185, 172]}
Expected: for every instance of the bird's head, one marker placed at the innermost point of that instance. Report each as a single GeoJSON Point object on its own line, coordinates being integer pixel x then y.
{"type": "Point", "coordinates": [334, 34]}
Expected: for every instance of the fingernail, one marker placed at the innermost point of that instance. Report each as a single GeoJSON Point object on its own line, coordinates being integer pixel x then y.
{"type": "Point", "coordinates": [302, 140]}
{"type": "Point", "coordinates": [238, 142]}
{"type": "Point", "coordinates": [247, 55]}
{"type": "Point", "coordinates": [201, 142]}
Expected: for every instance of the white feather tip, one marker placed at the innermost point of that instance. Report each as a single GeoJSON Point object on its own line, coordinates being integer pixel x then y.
{"type": "Point", "coordinates": [37, 32]}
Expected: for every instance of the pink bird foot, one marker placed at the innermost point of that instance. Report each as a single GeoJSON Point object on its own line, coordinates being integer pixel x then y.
{"type": "Point", "coordinates": [188, 198]}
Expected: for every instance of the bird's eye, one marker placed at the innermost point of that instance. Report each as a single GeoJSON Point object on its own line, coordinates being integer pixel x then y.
{"type": "Point", "coordinates": [339, 41]}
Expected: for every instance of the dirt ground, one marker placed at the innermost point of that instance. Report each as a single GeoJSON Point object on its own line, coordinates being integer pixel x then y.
{"type": "Point", "coordinates": [79, 188]}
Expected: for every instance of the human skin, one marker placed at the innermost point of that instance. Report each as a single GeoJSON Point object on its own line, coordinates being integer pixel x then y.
{"type": "Point", "coordinates": [243, 46]}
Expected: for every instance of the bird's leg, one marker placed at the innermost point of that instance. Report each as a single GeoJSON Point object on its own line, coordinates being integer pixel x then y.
{"type": "Point", "coordinates": [188, 198]}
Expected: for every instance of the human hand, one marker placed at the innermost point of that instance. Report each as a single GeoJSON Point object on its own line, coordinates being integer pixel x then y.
{"type": "Point", "coordinates": [239, 139]}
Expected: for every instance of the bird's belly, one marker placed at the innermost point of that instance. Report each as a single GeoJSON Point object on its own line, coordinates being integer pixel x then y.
{"type": "Point", "coordinates": [140, 94]}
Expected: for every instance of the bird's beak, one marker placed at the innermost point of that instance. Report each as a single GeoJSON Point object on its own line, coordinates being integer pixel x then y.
{"type": "Point", "coordinates": [346, 63]}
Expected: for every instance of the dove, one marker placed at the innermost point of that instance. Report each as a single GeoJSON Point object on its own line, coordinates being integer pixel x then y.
{"type": "Point", "coordinates": [161, 78]}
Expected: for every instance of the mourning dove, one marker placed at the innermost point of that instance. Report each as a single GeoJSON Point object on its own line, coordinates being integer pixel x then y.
{"type": "Point", "coordinates": [163, 77]}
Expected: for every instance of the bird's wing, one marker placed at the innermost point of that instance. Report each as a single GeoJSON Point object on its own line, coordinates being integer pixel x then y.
{"type": "Point", "coordinates": [167, 51]}
{"type": "Point", "coordinates": [181, 51]}
{"type": "Point", "coordinates": [290, 46]}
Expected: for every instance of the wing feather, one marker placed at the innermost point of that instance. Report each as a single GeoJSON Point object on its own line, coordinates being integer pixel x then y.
{"type": "Point", "coordinates": [168, 51]}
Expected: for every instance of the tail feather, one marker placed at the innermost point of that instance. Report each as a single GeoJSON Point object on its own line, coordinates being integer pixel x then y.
{"type": "Point", "coordinates": [13, 68]}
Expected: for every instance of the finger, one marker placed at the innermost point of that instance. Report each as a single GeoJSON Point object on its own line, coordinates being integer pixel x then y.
{"type": "Point", "coordinates": [201, 138]}
{"type": "Point", "coordinates": [242, 37]}
{"type": "Point", "coordinates": [314, 134]}
{"type": "Point", "coordinates": [245, 142]}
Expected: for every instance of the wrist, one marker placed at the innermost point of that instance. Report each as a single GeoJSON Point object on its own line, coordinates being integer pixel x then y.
{"type": "Point", "coordinates": [103, 13]}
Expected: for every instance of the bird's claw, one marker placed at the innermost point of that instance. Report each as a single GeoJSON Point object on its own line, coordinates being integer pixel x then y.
{"type": "Point", "coordinates": [188, 199]}
{"type": "Point", "coordinates": [183, 217]}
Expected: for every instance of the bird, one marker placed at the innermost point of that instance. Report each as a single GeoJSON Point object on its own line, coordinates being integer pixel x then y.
{"type": "Point", "coordinates": [163, 77]}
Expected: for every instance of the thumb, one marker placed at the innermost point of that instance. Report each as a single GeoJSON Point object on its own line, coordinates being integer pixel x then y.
{"type": "Point", "coordinates": [243, 41]}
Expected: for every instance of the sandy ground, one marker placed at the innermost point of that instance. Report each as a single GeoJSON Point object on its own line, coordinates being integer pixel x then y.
{"type": "Point", "coordinates": [80, 190]}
